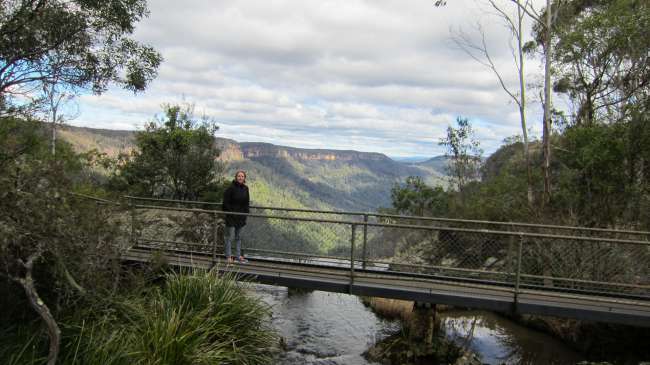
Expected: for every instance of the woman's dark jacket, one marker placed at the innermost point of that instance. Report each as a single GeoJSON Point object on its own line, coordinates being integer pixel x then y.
{"type": "Point", "coordinates": [236, 199]}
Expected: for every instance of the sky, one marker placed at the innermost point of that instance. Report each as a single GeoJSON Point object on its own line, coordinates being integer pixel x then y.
{"type": "Point", "coordinates": [368, 75]}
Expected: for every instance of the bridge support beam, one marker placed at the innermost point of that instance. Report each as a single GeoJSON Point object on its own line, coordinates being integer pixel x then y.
{"type": "Point", "coordinates": [423, 321]}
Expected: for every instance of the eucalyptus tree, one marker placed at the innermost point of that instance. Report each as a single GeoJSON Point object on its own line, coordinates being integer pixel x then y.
{"type": "Point", "coordinates": [543, 28]}
{"type": "Point", "coordinates": [542, 22]}
{"type": "Point", "coordinates": [77, 44]}
{"type": "Point", "coordinates": [514, 22]}
{"type": "Point", "coordinates": [465, 152]}
{"type": "Point", "coordinates": [603, 66]}
{"type": "Point", "coordinates": [603, 60]}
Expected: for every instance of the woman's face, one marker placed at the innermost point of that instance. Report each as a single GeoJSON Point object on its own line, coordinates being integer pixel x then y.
{"type": "Point", "coordinates": [241, 178]}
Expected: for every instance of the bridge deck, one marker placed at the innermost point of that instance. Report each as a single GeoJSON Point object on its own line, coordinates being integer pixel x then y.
{"type": "Point", "coordinates": [411, 287]}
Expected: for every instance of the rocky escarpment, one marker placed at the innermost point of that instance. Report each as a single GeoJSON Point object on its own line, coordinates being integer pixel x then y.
{"type": "Point", "coordinates": [229, 150]}
{"type": "Point", "coordinates": [236, 151]}
{"type": "Point", "coordinates": [254, 150]}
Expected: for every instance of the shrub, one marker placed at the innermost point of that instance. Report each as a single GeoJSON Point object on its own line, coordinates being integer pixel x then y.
{"type": "Point", "coordinates": [194, 318]}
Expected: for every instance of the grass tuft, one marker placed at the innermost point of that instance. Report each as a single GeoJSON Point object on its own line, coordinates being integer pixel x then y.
{"type": "Point", "coordinates": [195, 317]}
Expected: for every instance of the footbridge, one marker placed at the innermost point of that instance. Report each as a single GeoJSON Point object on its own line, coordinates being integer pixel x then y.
{"type": "Point", "coordinates": [575, 272]}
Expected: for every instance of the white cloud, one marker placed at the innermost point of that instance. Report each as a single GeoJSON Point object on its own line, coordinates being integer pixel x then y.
{"type": "Point", "coordinates": [370, 75]}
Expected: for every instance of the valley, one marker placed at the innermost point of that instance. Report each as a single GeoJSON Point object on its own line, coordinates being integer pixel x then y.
{"type": "Point", "coordinates": [293, 177]}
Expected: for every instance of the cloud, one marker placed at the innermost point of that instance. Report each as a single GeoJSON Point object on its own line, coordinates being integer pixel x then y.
{"type": "Point", "coordinates": [370, 75]}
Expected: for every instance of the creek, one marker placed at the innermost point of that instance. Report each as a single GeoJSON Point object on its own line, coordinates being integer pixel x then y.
{"type": "Point", "coordinates": [330, 328]}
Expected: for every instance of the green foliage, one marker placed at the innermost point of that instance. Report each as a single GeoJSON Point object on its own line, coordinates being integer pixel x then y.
{"type": "Point", "coordinates": [194, 318]}
{"type": "Point", "coordinates": [284, 235]}
{"type": "Point", "coordinates": [501, 194]}
{"type": "Point", "coordinates": [175, 158]}
{"type": "Point", "coordinates": [39, 217]}
{"type": "Point", "coordinates": [17, 138]}
{"type": "Point", "coordinates": [416, 198]}
{"type": "Point", "coordinates": [22, 344]}
{"type": "Point", "coordinates": [24, 141]}
{"type": "Point", "coordinates": [54, 246]}
{"type": "Point", "coordinates": [465, 153]}
{"type": "Point", "coordinates": [601, 57]}
{"type": "Point", "coordinates": [601, 174]}
{"type": "Point", "coordinates": [75, 44]}
{"type": "Point", "coordinates": [307, 184]}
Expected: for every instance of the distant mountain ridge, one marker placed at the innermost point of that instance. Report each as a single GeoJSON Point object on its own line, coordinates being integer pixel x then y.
{"type": "Point", "coordinates": [233, 150]}
{"type": "Point", "coordinates": [290, 176]}
{"type": "Point", "coordinates": [410, 159]}
{"type": "Point", "coordinates": [439, 164]}
{"type": "Point", "coordinates": [255, 149]}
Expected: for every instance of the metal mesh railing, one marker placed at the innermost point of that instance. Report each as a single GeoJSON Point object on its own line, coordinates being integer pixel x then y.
{"type": "Point", "coordinates": [442, 253]}
{"type": "Point", "coordinates": [515, 227]}
{"type": "Point", "coordinates": [580, 265]}
{"type": "Point", "coordinates": [183, 230]}
{"type": "Point", "coordinates": [293, 233]}
{"type": "Point", "coordinates": [522, 256]}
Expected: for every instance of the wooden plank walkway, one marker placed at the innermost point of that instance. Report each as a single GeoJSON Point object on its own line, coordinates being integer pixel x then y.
{"type": "Point", "coordinates": [409, 287]}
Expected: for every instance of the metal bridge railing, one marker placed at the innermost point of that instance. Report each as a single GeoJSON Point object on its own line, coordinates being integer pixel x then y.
{"type": "Point", "coordinates": [444, 222]}
{"type": "Point", "coordinates": [517, 255]}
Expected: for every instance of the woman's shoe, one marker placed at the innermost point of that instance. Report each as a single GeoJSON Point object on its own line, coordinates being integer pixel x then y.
{"type": "Point", "coordinates": [242, 260]}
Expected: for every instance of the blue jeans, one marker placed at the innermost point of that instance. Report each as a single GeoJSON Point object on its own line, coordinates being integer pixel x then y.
{"type": "Point", "coordinates": [233, 232]}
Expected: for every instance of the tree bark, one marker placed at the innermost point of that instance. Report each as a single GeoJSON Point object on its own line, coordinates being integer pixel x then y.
{"type": "Point", "coordinates": [54, 132]}
{"type": "Point", "coordinates": [522, 103]}
{"type": "Point", "coordinates": [53, 330]}
{"type": "Point", "coordinates": [546, 137]}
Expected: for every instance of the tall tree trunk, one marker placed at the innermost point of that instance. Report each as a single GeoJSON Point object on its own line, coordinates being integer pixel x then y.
{"type": "Point", "coordinates": [546, 137]}
{"type": "Point", "coordinates": [55, 100]}
{"type": "Point", "coordinates": [522, 103]}
{"type": "Point", "coordinates": [54, 137]}
{"type": "Point", "coordinates": [529, 172]}
{"type": "Point", "coordinates": [53, 331]}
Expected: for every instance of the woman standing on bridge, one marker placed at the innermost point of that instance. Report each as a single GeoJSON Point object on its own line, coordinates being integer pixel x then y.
{"type": "Point", "coordinates": [236, 199]}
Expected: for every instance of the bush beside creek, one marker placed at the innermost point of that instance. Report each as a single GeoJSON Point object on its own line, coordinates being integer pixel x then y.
{"type": "Point", "coordinates": [190, 318]}
{"type": "Point", "coordinates": [409, 345]}
{"type": "Point", "coordinates": [600, 343]}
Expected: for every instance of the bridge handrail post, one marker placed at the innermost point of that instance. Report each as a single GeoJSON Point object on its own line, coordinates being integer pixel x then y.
{"type": "Point", "coordinates": [215, 238]}
{"type": "Point", "coordinates": [365, 240]}
{"type": "Point", "coordinates": [354, 230]}
{"type": "Point", "coordinates": [518, 276]}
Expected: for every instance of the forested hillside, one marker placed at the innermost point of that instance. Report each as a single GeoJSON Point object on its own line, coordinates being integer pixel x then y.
{"type": "Point", "coordinates": [292, 177]}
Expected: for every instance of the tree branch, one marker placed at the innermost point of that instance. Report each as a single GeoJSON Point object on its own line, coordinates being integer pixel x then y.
{"type": "Point", "coordinates": [54, 333]}
{"type": "Point", "coordinates": [496, 72]}
{"type": "Point", "coordinates": [530, 12]}
{"type": "Point", "coordinates": [504, 15]}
